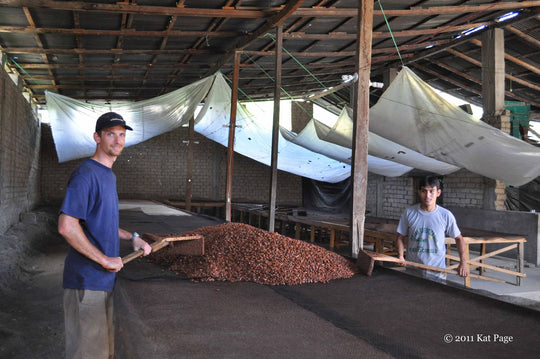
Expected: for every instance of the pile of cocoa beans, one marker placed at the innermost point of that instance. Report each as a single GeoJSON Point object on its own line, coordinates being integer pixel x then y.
{"type": "Point", "coordinates": [240, 252]}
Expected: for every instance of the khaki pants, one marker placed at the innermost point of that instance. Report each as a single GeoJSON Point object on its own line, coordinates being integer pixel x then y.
{"type": "Point", "coordinates": [88, 317]}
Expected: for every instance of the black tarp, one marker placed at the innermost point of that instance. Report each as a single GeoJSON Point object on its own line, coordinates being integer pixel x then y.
{"type": "Point", "coordinates": [327, 197]}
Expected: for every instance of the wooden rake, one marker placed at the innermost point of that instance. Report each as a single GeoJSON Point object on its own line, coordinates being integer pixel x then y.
{"type": "Point", "coordinates": [185, 245]}
{"type": "Point", "coordinates": [366, 261]}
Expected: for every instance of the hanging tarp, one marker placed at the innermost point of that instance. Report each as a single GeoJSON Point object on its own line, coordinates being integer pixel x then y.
{"type": "Point", "coordinates": [253, 138]}
{"type": "Point", "coordinates": [308, 138]}
{"type": "Point", "coordinates": [73, 122]}
{"type": "Point", "coordinates": [410, 127]}
{"type": "Point", "coordinates": [341, 134]}
{"type": "Point", "coordinates": [412, 114]}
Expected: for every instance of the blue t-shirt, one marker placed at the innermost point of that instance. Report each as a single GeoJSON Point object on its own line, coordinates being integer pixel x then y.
{"type": "Point", "coordinates": [91, 196]}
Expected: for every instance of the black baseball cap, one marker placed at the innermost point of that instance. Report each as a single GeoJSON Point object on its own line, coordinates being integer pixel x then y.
{"type": "Point", "coordinates": [111, 119]}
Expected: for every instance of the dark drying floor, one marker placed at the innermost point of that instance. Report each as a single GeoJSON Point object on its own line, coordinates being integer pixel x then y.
{"type": "Point", "coordinates": [164, 315]}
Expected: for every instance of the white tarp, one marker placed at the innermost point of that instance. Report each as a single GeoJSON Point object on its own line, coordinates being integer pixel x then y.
{"type": "Point", "coordinates": [411, 126]}
{"type": "Point", "coordinates": [341, 134]}
{"type": "Point", "coordinates": [73, 122]}
{"type": "Point", "coordinates": [308, 138]}
{"type": "Point", "coordinates": [253, 138]}
{"type": "Point", "coordinates": [412, 114]}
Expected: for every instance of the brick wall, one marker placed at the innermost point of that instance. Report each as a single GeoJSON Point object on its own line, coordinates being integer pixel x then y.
{"type": "Point", "coordinates": [157, 169]}
{"type": "Point", "coordinates": [464, 189]}
{"type": "Point", "coordinates": [19, 153]}
{"type": "Point", "coordinates": [387, 197]}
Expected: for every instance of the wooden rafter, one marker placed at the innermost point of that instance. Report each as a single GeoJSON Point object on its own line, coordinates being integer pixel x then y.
{"type": "Point", "coordinates": [247, 12]}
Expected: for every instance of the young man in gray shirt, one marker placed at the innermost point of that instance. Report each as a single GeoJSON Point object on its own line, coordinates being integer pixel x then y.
{"type": "Point", "coordinates": [426, 225]}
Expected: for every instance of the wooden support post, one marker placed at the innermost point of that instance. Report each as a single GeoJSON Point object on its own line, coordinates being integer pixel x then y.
{"type": "Point", "coordinates": [191, 136]}
{"type": "Point", "coordinates": [232, 127]}
{"type": "Point", "coordinates": [493, 74]}
{"type": "Point", "coordinates": [482, 253]}
{"type": "Point", "coordinates": [520, 261]}
{"type": "Point", "coordinates": [361, 124]}
{"type": "Point", "coordinates": [312, 234]}
{"type": "Point", "coordinates": [275, 130]}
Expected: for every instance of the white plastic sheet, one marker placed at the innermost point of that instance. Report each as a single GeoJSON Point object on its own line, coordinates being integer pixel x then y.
{"type": "Point", "coordinates": [341, 134]}
{"type": "Point", "coordinates": [412, 114]}
{"type": "Point", "coordinates": [308, 138]}
{"type": "Point", "coordinates": [253, 138]}
{"type": "Point", "coordinates": [73, 122]}
{"type": "Point", "coordinates": [410, 127]}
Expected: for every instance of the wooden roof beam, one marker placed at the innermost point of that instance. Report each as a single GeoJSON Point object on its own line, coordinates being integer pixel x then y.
{"type": "Point", "coordinates": [276, 20]}
{"type": "Point", "coordinates": [468, 88]}
{"type": "Point", "coordinates": [479, 64]}
{"type": "Point", "coordinates": [251, 12]}
{"type": "Point", "coordinates": [532, 68]}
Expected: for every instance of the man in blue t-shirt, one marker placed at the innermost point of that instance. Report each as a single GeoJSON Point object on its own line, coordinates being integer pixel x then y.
{"type": "Point", "coordinates": [89, 221]}
{"type": "Point", "coordinates": [426, 226]}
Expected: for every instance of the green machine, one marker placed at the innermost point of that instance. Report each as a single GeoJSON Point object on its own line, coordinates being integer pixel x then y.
{"type": "Point", "coordinates": [519, 116]}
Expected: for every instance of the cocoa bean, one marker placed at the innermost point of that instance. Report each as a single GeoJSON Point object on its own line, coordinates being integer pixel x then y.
{"type": "Point", "coordinates": [240, 252]}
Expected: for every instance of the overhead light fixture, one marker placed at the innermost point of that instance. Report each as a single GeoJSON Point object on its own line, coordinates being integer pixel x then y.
{"type": "Point", "coordinates": [507, 16]}
{"type": "Point", "coordinates": [429, 46]}
{"type": "Point", "coordinates": [474, 29]}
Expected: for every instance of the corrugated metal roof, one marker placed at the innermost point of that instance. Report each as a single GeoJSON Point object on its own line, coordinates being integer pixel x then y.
{"type": "Point", "coordinates": [134, 50]}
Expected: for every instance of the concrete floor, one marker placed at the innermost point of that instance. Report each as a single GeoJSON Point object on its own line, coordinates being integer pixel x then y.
{"type": "Point", "coordinates": [387, 315]}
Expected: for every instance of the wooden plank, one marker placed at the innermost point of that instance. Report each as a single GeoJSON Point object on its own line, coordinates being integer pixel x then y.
{"type": "Point", "coordinates": [474, 263]}
{"type": "Point", "coordinates": [385, 258]}
{"type": "Point", "coordinates": [196, 247]}
{"type": "Point", "coordinates": [480, 240]}
{"type": "Point", "coordinates": [365, 262]}
{"type": "Point", "coordinates": [334, 225]}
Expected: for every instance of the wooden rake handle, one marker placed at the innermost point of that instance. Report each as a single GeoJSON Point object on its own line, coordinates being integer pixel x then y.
{"type": "Point", "coordinates": [159, 242]}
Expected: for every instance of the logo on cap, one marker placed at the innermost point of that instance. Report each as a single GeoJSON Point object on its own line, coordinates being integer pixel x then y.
{"type": "Point", "coordinates": [111, 119]}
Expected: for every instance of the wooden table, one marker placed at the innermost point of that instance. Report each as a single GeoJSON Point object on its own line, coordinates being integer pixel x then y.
{"type": "Point", "coordinates": [385, 242]}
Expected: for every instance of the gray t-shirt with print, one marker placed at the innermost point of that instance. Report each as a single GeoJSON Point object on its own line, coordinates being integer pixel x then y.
{"type": "Point", "coordinates": [426, 232]}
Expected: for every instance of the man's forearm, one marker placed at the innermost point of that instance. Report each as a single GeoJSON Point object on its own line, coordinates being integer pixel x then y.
{"type": "Point", "coordinates": [123, 234]}
{"type": "Point", "coordinates": [461, 247]}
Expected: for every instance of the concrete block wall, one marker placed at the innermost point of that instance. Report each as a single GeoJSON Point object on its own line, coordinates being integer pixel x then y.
{"type": "Point", "coordinates": [389, 196]}
{"type": "Point", "coordinates": [157, 169]}
{"type": "Point", "coordinates": [19, 152]}
{"type": "Point", "coordinates": [464, 189]}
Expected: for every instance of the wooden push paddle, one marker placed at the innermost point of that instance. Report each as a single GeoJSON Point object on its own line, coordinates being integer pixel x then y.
{"type": "Point", "coordinates": [185, 245]}
{"type": "Point", "coordinates": [366, 261]}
